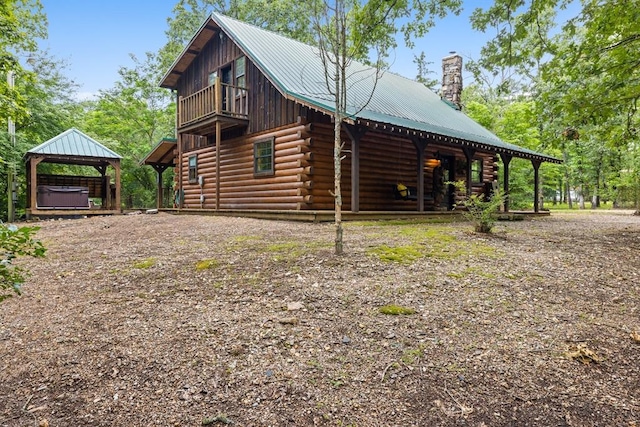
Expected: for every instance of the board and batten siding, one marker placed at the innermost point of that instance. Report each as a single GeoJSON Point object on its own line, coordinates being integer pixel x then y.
{"type": "Point", "coordinates": [215, 54]}
{"type": "Point", "coordinates": [267, 108]}
{"type": "Point", "coordinates": [240, 189]}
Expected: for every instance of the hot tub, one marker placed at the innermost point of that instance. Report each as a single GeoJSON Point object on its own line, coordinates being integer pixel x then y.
{"type": "Point", "coordinates": [62, 197]}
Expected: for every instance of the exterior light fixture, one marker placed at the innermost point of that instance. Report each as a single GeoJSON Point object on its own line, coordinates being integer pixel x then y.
{"type": "Point", "coordinates": [432, 163]}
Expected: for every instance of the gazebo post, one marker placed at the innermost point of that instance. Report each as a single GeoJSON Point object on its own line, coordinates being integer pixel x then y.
{"type": "Point", "coordinates": [506, 159]}
{"type": "Point", "coordinates": [536, 185]}
{"type": "Point", "coordinates": [116, 165]}
{"type": "Point", "coordinates": [33, 180]}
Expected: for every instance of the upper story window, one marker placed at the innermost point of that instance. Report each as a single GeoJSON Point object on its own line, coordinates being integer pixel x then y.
{"type": "Point", "coordinates": [476, 171]}
{"type": "Point", "coordinates": [241, 66]}
{"type": "Point", "coordinates": [263, 162]}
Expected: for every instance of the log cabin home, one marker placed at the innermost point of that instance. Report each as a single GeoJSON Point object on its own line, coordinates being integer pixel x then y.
{"type": "Point", "coordinates": [254, 132]}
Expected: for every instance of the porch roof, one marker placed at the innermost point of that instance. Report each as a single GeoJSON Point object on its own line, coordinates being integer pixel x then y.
{"type": "Point", "coordinates": [161, 154]}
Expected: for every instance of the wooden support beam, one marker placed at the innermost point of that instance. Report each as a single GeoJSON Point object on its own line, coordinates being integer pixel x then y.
{"type": "Point", "coordinates": [33, 178]}
{"type": "Point", "coordinates": [355, 134]}
{"type": "Point", "coordinates": [102, 169]}
{"type": "Point", "coordinates": [421, 145]}
{"type": "Point", "coordinates": [468, 154]}
{"type": "Point", "coordinates": [116, 166]}
{"type": "Point", "coordinates": [218, 140]}
{"type": "Point", "coordinates": [536, 185]}
{"type": "Point", "coordinates": [180, 188]}
{"type": "Point", "coordinates": [159, 170]}
{"type": "Point", "coordinates": [506, 159]}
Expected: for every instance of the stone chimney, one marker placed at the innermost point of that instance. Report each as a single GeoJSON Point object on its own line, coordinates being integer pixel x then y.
{"type": "Point", "coordinates": [452, 78]}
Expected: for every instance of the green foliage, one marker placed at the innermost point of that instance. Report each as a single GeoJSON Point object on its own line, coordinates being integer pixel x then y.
{"type": "Point", "coordinates": [145, 263]}
{"type": "Point", "coordinates": [425, 75]}
{"type": "Point", "coordinates": [582, 76]}
{"type": "Point", "coordinates": [15, 242]}
{"type": "Point", "coordinates": [206, 264]}
{"type": "Point", "coordinates": [481, 212]}
{"type": "Point", "coordinates": [51, 111]}
{"type": "Point", "coordinates": [396, 310]}
{"type": "Point", "coordinates": [131, 118]}
{"type": "Point", "coordinates": [22, 23]}
{"type": "Point", "coordinates": [288, 17]}
{"type": "Point", "coordinates": [399, 254]}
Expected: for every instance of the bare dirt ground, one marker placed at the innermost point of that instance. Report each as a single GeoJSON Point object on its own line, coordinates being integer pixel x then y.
{"type": "Point", "coordinates": [160, 320]}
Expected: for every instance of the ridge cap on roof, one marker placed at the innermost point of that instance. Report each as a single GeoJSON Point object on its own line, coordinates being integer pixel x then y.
{"type": "Point", "coordinates": [275, 33]}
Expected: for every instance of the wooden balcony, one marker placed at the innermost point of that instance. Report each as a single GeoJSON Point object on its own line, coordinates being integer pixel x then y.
{"type": "Point", "coordinates": [220, 102]}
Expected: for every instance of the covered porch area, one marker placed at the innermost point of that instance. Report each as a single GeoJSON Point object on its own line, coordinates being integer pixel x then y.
{"type": "Point", "coordinates": [429, 155]}
{"type": "Point", "coordinates": [161, 158]}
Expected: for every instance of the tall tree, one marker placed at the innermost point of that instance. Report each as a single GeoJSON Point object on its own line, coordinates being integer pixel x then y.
{"type": "Point", "coordinates": [348, 30]}
{"type": "Point", "coordinates": [22, 23]}
{"type": "Point", "coordinates": [39, 104]}
{"type": "Point", "coordinates": [584, 79]}
{"type": "Point", "coordinates": [288, 17]}
{"type": "Point", "coordinates": [131, 117]}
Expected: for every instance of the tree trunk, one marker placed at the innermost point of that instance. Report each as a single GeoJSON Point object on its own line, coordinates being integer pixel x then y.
{"type": "Point", "coordinates": [565, 158]}
{"type": "Point", "coordinates": [337, 192]}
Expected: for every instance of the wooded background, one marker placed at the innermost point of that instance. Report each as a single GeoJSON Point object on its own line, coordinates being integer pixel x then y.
{"type": "Point", "coordinates": [567, 89]}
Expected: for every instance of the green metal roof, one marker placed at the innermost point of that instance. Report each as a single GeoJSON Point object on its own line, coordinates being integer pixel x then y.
{"type": "Point", "coordinates": [297, 71]}
{"type": "Point", "coordinates": [74, 143]}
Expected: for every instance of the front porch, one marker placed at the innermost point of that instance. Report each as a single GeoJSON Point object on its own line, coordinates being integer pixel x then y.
{"type": "Point", "coordinates": [329, 216]}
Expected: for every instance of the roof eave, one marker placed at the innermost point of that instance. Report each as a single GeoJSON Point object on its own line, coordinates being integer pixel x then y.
{"type": "Point", "coordinates": [165, 82]}
{"type": "Point", "coordinates": [461, 142]}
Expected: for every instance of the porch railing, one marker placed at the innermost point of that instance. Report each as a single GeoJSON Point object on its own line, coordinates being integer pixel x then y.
{"type": "Point", "coordinates": [218, 99]}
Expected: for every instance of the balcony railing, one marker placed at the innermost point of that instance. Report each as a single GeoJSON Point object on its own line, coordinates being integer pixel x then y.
{"type": "Point", "coordinates": [219, 99]}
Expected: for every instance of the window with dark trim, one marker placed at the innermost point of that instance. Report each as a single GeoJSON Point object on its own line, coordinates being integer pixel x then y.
{"type": "Point", "coordinates": [476, 171]}
{"type": "Point", "coordinates": [193, 169]}
{"type": "Point", "coordinates": [241, 65]}
{"type": "Point", "coordinates": [263, 157]}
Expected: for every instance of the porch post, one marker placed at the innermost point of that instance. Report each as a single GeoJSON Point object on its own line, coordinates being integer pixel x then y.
{"type": "Point", "coordinates": [355, 134]}
{"type": "Point", "coordinates": [421, 145]}
{"type": "Point", "coordinates": [468, 154]}
{"type": "Point", "coordinates": [536, 185]}
{"type": "Point", "coordinates": [506, 158]}
{"type": "Point", "coordinates": [118, 183]}
{"type": "Point", "coordinates": [218, 137]}
{"type": "Point", "coordinates": [116, 165]}
{"type": "Point", "coordinates": [33, 178]}
{"type": "Point", "coordinates": [160, 170]}
{"type": "Point", "coordinates": [180, 189]}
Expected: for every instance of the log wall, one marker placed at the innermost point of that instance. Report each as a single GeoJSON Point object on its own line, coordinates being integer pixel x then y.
{"type": "Point", "coordinates": [385, 160]}
{"type": "Point", "coordinates": [287, 189]}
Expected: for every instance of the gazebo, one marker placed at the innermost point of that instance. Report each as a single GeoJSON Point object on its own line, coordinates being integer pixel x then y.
{"type": "Point", "coordinates": [64, 195]}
